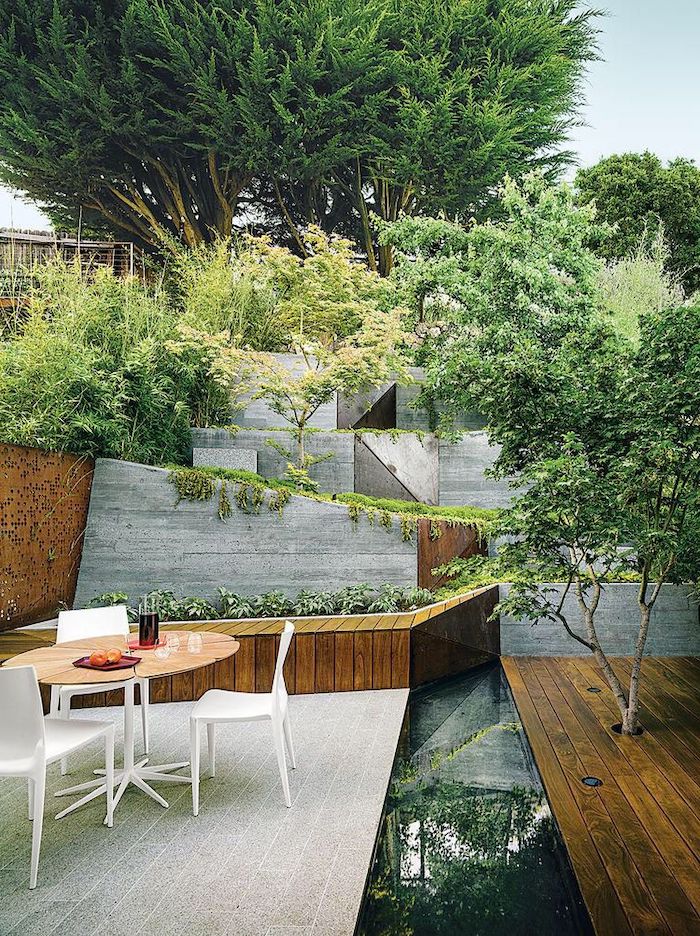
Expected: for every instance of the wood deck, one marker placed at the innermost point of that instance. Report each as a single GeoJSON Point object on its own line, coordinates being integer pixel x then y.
{"type": "Point", "coordinates": [634, 842]}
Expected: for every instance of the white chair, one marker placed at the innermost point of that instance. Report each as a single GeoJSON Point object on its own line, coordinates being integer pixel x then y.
{"type": "Point", "coordinates": [29, 743]}
{"type": "Point", "coordinates": [94, 622]}
{"type": "Point", "coordinates": [219, 705]}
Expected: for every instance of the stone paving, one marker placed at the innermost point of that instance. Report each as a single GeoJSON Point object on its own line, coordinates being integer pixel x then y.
{"type": "Point", "coordinates": [246, 866]}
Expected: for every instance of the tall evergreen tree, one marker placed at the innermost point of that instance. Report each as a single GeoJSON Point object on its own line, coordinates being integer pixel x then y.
{"type": "Point", "coordinates": [175, 119]}
{"type": "Point", "coordinates": [640, 196]}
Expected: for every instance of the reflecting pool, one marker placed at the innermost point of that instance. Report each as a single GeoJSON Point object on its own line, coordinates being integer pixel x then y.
{"type": "Point", "coordinates": [468, 843]}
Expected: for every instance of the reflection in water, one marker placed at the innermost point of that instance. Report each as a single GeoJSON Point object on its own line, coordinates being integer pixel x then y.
{"type": "Point", "coordinates": [468, 844]}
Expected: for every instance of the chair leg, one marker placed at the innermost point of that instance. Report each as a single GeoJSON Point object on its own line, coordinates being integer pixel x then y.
{"type": "Point", "coordinates": [30, 797]}
{"type": "Point", "coordinates": [55, 701]}
{"type": "Point", "coordinates": [109, 774]}
{"type": "Point", "coordinates": [143, 689]}
{"type": "Point", "coordinates": [64, 712]}
{"type": "Point", "coordinates": [278, 740]}
{"type": "Point", "coordinates": [195, 730]}
{"type": "Point", "coordinates": [211, 747]}
{"type": "Point", "coordinates": [287, 725]}
{"type": "Point", "coordinates": [39, 790]}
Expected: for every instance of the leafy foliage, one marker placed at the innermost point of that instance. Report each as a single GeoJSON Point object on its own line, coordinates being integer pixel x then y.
{"type": "Point", "coordinates": [104, 366]}
{"type": "Point", "coordinates": [90, 372]}
{"type": "Point", "coordinates": [354, 599]}
{"type": "Point", "coordinates": [639, 196]}
{"type": "Point", "coordinates": [592, 401]}
{"type": "Point", "coordinates": [611, 497]}
{"type": "Point", "coordinates": [511, 301]}
{"type": "Point", "coordinates": [639, 284]}
{"type": "Point", "coordinates": [347, 339]}
{"type": "Point", "coordinates": [167, 121]}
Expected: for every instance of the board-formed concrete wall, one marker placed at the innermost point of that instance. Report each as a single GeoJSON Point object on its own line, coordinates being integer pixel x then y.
{"type": "Point", "coordinates": [462, 478]}
{"type": "Point", "coordinates": [404, 467]}
{"type": "Point", "coordinates": [674, 629]}
{"type": "Point", "coordinates": [334, 476]}
{"type": "Point", "coordinates": [137, 540]}
{"type": "Point", "coordinates": [256, 414]}
{"type": "Point", "coordinates": [410, 416]}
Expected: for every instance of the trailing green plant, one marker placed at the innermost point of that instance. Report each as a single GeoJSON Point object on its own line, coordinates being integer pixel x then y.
{"type": "Point", "coordinates": [225, 509]}
{"type": "Point", "coordinates": [252, 490]}
{"type": "Point", "coordinates": [192, 485]}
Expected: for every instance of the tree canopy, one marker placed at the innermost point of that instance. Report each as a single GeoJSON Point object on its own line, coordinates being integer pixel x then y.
{"type": "Point", "coordinates": [637, 194]}
{"type": "Point", "coordinates": [597, 424]}
{"type": "Point", "coordinates": [175, 120]}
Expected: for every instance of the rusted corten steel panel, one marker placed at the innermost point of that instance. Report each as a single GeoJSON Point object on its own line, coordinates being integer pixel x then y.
{"type": "Point", "coordinates": [454, 540]}
{"type": "Point", "coordinates": [43, 510]}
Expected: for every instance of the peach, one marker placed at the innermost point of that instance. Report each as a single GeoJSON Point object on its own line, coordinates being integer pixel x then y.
{"type": "Point", "coordinates": [98, 658]}
{"type": "Point", "coordinates": [114, 655]}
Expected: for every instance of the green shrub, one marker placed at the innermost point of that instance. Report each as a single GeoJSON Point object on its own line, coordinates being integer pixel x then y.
{"type": "Point", "coordinates": [353, 599]}
{"type": "Point", "coordinates": [89, 370]}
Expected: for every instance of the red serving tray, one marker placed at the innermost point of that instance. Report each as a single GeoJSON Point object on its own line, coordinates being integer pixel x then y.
{"type": "Point", "coordinates": [126, 662]}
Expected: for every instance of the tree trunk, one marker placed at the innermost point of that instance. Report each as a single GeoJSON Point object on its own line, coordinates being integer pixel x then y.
{"type": "Point", "coordinates": [301, 451]}
{"type": "Point", "coordinates": [594, 643]}
{"type": "Point", "coordinates": [629, 723]}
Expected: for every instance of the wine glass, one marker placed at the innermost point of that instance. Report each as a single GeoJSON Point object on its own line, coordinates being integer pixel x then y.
{"type": "Point", "coordinates": [162, 651]}
{"type": "Point", "coordinates": [173, 641]}
{"type": "Point", "coordinates": [194, 643]}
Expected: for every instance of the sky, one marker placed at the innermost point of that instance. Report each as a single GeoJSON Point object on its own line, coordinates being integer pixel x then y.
{"type": "Point", "coordinates": [643, 94]}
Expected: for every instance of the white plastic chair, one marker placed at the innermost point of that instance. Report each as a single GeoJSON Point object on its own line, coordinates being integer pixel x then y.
{"type": "Point", "coordinates": [219, 705]}
{"type": "Point", "coordinates": [29, 743]}
{"type": "Point", "coordinates": [94, 622]}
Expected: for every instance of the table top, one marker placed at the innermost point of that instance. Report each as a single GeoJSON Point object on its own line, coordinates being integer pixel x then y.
{"type": "Point", "coordinates": [54, 665]}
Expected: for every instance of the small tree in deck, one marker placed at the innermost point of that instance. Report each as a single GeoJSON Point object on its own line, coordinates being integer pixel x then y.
{"type": "Point", "coordinates": [627, 501]}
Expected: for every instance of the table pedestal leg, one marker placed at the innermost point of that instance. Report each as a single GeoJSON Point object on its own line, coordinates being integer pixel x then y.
{"type": "Point", "coordinates": [135, 773]}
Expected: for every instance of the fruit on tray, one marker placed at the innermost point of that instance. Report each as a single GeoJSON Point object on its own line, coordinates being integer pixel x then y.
{"type": "Point", "coordinates": [114, 655]}
{"type": "Point", "coordinates": [98, 658]}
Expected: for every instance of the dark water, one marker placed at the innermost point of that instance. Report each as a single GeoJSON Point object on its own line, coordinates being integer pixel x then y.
{"type": "Point", "coordinates": [468, 844]}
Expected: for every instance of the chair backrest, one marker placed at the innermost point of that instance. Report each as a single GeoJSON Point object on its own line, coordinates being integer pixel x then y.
{"type": "Point", "coordinates": [279, 689]}
{"type": "Point", "coordinates": [92, 622]}
{"type": "Point", "coordinates": [22, 722]}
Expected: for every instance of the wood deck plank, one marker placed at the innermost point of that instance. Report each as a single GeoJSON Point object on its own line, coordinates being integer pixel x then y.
{"type": "Point", "coordinates": [596, 887]}
{"type": "Point", "coordinates": [597, 806]}
{"type": "Point", "coordinates": [683, 773]}
{"type": "Point", "coordinates": [640, 829]}
{"type": "Point", "coordinates": [633, 809]}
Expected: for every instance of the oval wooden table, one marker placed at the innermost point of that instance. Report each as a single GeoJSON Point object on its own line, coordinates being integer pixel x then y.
{"type": "Point", "coordinates": [54, 666]}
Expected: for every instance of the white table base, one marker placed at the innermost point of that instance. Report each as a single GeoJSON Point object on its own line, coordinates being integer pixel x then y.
{"type": "Point", "coordinates": [139, 774]}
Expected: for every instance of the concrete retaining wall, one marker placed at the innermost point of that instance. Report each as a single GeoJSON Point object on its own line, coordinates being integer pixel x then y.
{"type": "Point", "coordinates": [334, 476]}
{"type": "Point", "coordinates": [405, 467]}
{"type": "Point", "coordinates": [462, 478]}
{"type": "Point", "coordinates": [136, 540]}
{"type": "Point", "coordinates": [674, 630]}
{"type": "Point", "coordinates": [408, 416]}
{"type": "Point", "coordinates": [256, 414]}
